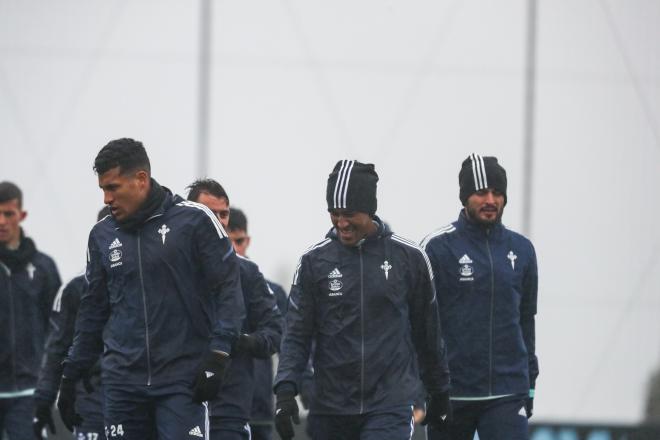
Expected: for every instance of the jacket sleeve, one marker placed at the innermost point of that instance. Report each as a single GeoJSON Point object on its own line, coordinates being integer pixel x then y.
{"type": "Point", "coordinates": [527, 316]}
{"type": "Point", "coordinates": [299, 329]}
{"type": "Point", "coordinates": [62, 324]}
{"type": "Point", "coordinates": [93, 313]}
{"type": "Point", "coordinates": [221, 276]}
{"type": "Point", "coordinates": [281, 297]}
{"type": "Point", "coordinates": [425, 324]}
{"type": "Point", "coordinates": [264, 317]}
{"type": "Point", "coordinates": [53, 284]}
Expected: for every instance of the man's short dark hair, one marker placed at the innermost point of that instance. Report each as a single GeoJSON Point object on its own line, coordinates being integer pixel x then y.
{"type": "Point", "coordinates": [127, 154]}
{"type": "Point", "coordinates": [208, 186]}
{"type": "Point", "coordinates": [9, 191]}
{"type": "Point", "coordinates": [237, 221]}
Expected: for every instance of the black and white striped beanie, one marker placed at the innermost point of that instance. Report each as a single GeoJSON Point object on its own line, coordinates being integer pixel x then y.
{"type": "Point", "coordinates": [352, 186]}
{"type": "Point", "coordinates": [480, 172]}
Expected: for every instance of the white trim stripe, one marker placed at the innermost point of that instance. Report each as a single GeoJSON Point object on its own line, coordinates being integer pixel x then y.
{"type": "Point", "coordinates": [415, 246]}
{"type": "Point", "coordinates": [341, 185]}
{"type": "Point", "coordinates": [444, 230]}
{"type": "Point", "coordinates": [474, 171]}
{"type": "Point", "coordinates": [207, 423]}
{"type": "Point", "coordinates": [334, 197]}
{"type": "Point", "coordinates": [348, 178]}
{"type": "Point", "coordinates": [479, 171]}
{"type": "Point", "coordinates": [412, 422]}
{"type": "Point", "coordinates": [309, 249]}
{"type": "Point", "coordinates": [483, 171]}
{"type": "Point", "coordinates": [207, 211]}
{"type": "Point", "coordinates": [57, 302]}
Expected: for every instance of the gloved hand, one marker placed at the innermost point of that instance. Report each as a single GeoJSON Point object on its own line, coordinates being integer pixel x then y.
{"type": "Point", "coordinates": [42, 418]}
{"type": "Point", "coordinates": [529, 404]}
{"type": "Point", "coordinates": [249, 344]}
{"type": "Point", "coordinates": [438, 410]}
{"type": "Point", "coordinates": [66, 403]}
{"type": "Point", "coordinates": [209, 377]}
{"type": "Point", "coordinates": [286, 411]}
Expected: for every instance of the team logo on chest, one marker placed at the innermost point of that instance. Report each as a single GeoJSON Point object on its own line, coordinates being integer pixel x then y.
{"type": "Point", "coordinates": [386, 266]}
{"type": "Point", "coordinates": [30, 270]}
{"type": "Point", "coordinates": [115, 258]}
{"type": "Point", "coordinates": [335, 285]}
{"type": "Point", "coordinates": [512, 257]}
{"type": "Point", "coordinates": [466, 270]}
{"type": "Point", "coordinates": [163, 231]}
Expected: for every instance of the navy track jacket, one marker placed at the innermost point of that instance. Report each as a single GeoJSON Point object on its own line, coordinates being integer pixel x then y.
{"type": "Point", "coordinates": [263, 321]}
{"type": "Point", "coordinates": [26, 296]}
{"type": "Point", "coordinates": [486, 281]}
{"type": "Point", "coordinates": [160, 297]}
{"type": "Point", "coordinates": [263, 408]}
{"type": "Point", "coordinates": [373, 313]}
{"type": "Point", "coordinates": [62, 326]}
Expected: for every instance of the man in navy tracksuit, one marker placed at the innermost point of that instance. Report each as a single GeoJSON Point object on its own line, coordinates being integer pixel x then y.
{"type": "Point", "coordinates": [486, 281]}
{"type": "Point", "coordinates": [260, 333]}
{"type": "Point", "coordinates": [89, 404]}
{"type": "Point", "coordinates": [28, 283]}
{"type": "Point", "coordinates": [366, 297]}
{"type": "Point", "coordinates": [263, 408]}
{"type": "Point", "coordinates": [164, 305]}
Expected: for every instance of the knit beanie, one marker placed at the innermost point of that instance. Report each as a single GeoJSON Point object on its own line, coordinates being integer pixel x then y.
{"type": "Point", "coordinates": [480, 172]}
{"type": "Point", "coordinates": [352, 186]}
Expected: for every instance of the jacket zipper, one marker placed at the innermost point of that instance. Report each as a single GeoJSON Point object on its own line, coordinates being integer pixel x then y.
{"type": "Point", "coordinates": [492, 306]}
{"type": "Point", "coordinates": [146, 319]}
{"type": "Point", "coordinates": [362, 330]}
{"type": "Point", "coordinates": [12, 324]}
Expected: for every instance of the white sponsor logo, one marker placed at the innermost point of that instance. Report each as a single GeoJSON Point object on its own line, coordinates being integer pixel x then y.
{"type": "Point", "coordinates": [335, 274]}
{"type": "Point", "coordinates": [196, 432]}
{"type": "Point", "coordinates": [115, 244]}
{"type": "Point", "coordinates": [335, 285]}
{"type": "Point", "coordinates": [465, 260]}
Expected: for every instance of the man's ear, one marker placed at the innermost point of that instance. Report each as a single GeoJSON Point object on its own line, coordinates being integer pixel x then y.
{"type": "Point", "coordinates": [22, 216]}
{"type": "Point", "coordinates": [143, 178]}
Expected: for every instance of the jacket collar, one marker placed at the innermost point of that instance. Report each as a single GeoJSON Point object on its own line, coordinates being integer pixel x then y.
{"type": "Point", "coordinates": [477, 229]}
{"type": "Point", "coordinates": [383, 230]}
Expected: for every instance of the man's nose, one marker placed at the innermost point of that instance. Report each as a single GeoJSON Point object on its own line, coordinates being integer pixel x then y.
{"type": "Point", "coordinates": [341, 221]}
{"type": "Point", "coordinates": [107, 198]}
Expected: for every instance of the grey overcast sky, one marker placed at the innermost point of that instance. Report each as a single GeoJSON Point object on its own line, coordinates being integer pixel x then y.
{"type": "Point", "coordinates": [413, 86]}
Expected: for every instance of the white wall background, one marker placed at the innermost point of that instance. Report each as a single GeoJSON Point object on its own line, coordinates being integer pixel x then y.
{"type": "Point", "coordinates": [412, 86]}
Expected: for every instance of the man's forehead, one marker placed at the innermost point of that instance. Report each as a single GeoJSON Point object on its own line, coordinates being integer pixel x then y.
{"type": "Point", "coordinates": [10, 205]}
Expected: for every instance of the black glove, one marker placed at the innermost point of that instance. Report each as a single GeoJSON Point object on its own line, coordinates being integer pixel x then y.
{"type": "Point", "coordinates": [66, 403]}
{"type": "Point", "coordinates": [286, 411]}
{"type": "Point", "coordinates": [438, 410]}
{"type": "Point", "coordinates": [209, 377]}
{"type": "Point", "coordinates": [42, 418]}
{"type": "Point", "coordinates": [250, 344]}
{"type": "Point", "coordinates": [529, 407]}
